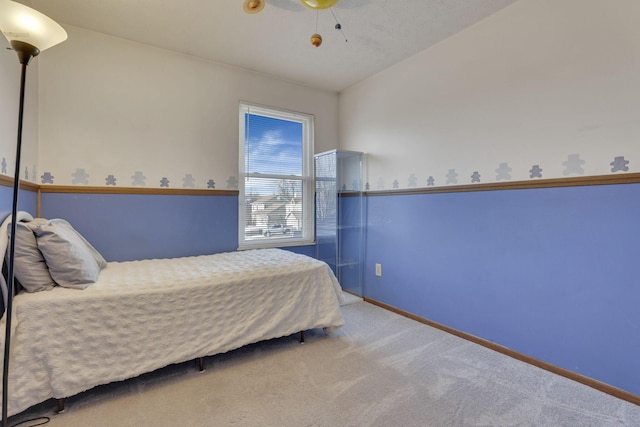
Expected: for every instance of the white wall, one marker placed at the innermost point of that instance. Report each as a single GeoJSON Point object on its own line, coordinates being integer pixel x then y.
{"type": "Point", "coordinates": [538, 82]}
{"type": "Point", "coordinates": [114, 107]}
{"type": "Point", "coordinates": [10, 70]}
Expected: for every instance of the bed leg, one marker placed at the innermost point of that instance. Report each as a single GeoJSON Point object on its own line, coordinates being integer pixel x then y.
{"type": "Point", "coordinates": [60, 406]}
{"type": "Point", "coordinates": [301, 337]}
{"type": "Point", "coordinates": [201, 363]}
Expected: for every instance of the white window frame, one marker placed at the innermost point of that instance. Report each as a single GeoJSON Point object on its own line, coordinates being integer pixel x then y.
{"type": "Point", "coordinates": [307, 179]}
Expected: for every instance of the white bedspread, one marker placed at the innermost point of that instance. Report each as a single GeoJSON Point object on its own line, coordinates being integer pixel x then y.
{"type": "Point", "coordinates": [143, 315]}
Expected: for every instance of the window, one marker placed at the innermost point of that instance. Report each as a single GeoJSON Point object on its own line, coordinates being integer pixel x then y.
{"type": "Point", "coordinates": [276, 178]}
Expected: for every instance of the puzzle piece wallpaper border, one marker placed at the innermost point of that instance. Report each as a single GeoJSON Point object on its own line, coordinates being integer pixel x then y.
{"type": "Point", "coordinates": [573, 165]}
{"type": "Point", "coordinates": [138, 179]}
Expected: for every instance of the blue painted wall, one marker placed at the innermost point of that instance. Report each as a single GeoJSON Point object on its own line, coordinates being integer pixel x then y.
{"type": "Point", "coordinates": [551, 273]}
{"type": "Point", "coordinates": [130, 226]}
{"type": "Point", "coordinates": [308, 250]}
{"type": "Point", "coordinates": [27, 201]}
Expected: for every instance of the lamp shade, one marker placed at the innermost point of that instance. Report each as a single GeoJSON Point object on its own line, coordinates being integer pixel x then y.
{"type": "Point", "coordinates": [319, 4]}
{"type": "Point", "coordinates": [20, 23]}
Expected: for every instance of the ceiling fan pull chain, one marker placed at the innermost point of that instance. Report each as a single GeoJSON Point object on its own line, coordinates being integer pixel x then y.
{"type": "Point", "coordinates": [338, 25]}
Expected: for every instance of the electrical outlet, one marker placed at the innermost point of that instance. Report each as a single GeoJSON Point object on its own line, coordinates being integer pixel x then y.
{"type": "Point", "coordinates": [378, 270]}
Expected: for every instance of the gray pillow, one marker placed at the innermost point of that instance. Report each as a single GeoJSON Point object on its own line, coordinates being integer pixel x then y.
{"type": "Point", "coordinates": [29, 267]}
{"type": "Point", "coordinates": [102, 263]}
{"type": "Point", "coordinates": [71, 260]}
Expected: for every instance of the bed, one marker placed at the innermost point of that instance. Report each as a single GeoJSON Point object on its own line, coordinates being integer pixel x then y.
{"type": "Point", "coordinates": [143, 315]}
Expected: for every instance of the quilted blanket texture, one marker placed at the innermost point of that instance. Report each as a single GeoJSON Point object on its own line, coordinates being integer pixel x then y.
{"type": "Point", "coordinates": [144, 315]}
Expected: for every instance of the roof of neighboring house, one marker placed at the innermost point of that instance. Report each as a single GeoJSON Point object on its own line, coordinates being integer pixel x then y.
{"type": "Point", "coordinates": [269, 209]}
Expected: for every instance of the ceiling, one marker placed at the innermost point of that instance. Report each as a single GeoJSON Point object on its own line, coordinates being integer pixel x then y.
{"type": "Point", "coordinates": [276, 41]}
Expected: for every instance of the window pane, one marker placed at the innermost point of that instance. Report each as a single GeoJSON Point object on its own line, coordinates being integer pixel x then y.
{"type": "Point", "coordinates": [273, 208]}
{"type": "Point", "coordinates": [272, 146]}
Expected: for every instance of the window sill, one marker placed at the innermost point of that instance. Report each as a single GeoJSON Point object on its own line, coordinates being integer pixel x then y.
{"type": "Point", "coordinates": [277, 244]}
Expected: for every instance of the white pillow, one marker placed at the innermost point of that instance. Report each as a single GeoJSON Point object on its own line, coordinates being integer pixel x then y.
{"type": "Point", "coordinates": [30, 268]}
{"type": "Point", "coordinates": [70, 258]}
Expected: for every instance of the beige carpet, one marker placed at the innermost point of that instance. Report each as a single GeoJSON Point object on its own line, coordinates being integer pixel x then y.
{"type": "Point", "coordinates": [380, 369]}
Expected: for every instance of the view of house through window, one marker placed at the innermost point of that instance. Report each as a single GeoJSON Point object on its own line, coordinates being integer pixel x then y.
{"type": "Point", "coordinates": [276, 179]}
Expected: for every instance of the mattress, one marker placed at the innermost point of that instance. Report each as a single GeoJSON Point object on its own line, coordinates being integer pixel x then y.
{"type": "Point", "coordinates": [143, 315]}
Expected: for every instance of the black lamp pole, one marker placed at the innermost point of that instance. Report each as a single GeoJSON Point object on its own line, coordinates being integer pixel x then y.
{"type": "Point", "coordinates": [29, 32]}
{"type": "Point", "coordinates": [25, 52]}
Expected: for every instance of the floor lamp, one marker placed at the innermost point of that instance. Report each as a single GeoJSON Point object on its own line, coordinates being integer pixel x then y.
{"type": "Point", "coordinates": [29, 32]}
